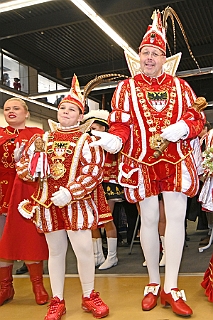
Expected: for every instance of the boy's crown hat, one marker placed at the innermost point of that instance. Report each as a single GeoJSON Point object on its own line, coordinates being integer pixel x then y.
{"type": "Point", "coordinates": [74, 95]}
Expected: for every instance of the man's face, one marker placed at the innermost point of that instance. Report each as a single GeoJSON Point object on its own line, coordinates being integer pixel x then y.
{"type": "Point", "coordinates": [151, 61]}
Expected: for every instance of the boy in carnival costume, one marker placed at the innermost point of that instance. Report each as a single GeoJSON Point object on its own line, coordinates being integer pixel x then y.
{"type": "Point", "coordinates": [150, 111]}
{"type": "Point", "coordinates": [69, 171]}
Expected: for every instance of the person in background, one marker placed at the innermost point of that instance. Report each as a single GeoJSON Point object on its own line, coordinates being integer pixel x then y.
{"type": "Point", "coordinates": [6, 79]}
{"type": "Point", "coordinates": [204, 140]}
{"type": "Point", "coordinates": [152, 121]}
{"type": "Point", "coordinates": [69, 171]}
{"type": "Point", "coordinates": [19, 239]}
{"type": "Point", "coordinates": [17, 84]}
{"type": "Point", "coordinates": [205, 198]}
{"type": "Point", "coordinates": [23, 269]}
{"type": "Point", "coordinates": [113, 192]}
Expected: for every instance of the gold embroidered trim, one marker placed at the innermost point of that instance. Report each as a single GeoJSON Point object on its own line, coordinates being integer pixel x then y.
{"type": "Point", "coordinates": [160, 160]}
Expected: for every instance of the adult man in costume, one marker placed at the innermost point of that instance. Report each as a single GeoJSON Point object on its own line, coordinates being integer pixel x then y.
{"type": "Point", "coordinates": [152, 119]}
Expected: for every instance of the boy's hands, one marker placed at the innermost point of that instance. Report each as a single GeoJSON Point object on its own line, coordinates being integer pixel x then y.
{"type": "Point", "coordinates": [107, 141]}
{"type": "Point", "coordinates": [62, 197]}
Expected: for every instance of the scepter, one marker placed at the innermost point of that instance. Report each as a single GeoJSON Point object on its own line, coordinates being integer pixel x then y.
{"type": "Point", "coordinates": [199, 105]}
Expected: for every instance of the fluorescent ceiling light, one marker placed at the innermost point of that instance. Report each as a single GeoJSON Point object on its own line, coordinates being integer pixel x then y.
{"type": "Point", "coordinates": [17, 4]}
{"type": "Point", "coordinates": [83, 6]}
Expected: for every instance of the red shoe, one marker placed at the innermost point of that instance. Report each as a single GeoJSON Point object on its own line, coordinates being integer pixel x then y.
{"type": "Point", "coordinates": [176, 300]}
{"type": "Point", "coordinates": [56, 309]}
{"type": "Point", "coordinates": [151, 294]}
{"type": "Point", "coordinates": [95, 305]}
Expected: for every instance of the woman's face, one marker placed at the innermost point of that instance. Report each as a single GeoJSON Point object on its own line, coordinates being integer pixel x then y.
{"type": "Point", "coordinates": [15, 114]}
{"type": "Point", "coordinates": [69, 114]}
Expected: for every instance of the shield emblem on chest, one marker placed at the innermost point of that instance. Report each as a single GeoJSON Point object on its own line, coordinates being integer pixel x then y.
{"type": "Point", "coordinates": [60, 148]}
{"type": "Point", "coordinates": [158, 100]}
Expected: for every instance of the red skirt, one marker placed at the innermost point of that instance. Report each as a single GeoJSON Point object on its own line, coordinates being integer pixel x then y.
{"type": "Point", "coordinates": [20, 239]}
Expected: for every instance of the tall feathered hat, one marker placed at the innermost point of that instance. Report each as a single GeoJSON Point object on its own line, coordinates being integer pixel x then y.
{"type": "Point", "coordinates": [155, 35]}
{"type": "Point", "coordinates": [74, 95]}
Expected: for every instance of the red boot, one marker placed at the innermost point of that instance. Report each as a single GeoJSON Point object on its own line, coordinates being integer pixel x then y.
{"type": "Point", "coordinates": [151, 294]}
{"type": "Point", "coordinates": [176, 300]}
{"type": "Point", "coordinates": [6, 282]}
{"type": "Point", "coordinates": [95, 305]}
{"type": "Point", "coordinates": [36, 277]}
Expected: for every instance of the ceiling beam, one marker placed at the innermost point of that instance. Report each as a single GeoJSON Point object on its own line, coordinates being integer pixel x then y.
{"type": "Point", "coordinates": [121, 6]}
{"type": "Point", "coordinates": [42, 23]}
{"type": "Point", "coordinates": [71, 16]}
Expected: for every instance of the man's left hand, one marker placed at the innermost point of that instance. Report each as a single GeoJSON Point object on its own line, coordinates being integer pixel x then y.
{"type": "Point", "coordinates": [176, 131]}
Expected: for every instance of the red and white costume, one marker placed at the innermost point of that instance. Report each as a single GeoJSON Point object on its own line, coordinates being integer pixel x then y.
{"type": "Point", "coordinates": [207, 282]}
{"type": "Point", "coordinates": [205, 196]}
{"type": "Point", "coordinates": [141, 107]}
{"type": "Point", "coordinates": [74, 165]}
{"type": "Point", "coordinates": [149, 113]}
{"type": "Point", "coordinates": [24, 242]}
{"type": "Point", "coordinates": [206, 200]}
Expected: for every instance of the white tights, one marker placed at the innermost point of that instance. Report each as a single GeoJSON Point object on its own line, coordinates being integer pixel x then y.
{"type": "Point", "coordinates": [81, 242]}
{"type": "Point", "coordinates": [175, 211]}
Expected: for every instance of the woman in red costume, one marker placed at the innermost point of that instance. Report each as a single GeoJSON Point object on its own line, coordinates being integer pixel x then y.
{"type": "Point", "coordinates": [19, 237]}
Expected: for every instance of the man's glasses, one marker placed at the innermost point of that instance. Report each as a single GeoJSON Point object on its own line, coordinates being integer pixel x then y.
{"type": "Point", "coordinates": [153, 54]}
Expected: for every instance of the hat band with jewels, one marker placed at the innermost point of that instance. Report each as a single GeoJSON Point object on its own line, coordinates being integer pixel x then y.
{"type": "Point", "coordinates": [74, 101]}
{"type": "Point", "coordinates": [153, 39]}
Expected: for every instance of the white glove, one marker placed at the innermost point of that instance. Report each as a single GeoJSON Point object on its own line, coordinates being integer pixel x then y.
{"type": "Point", "coordinates": [176, 131]}
{"type": "Point", "coordinates": [61, 197]}
{"type": "Point", "coordinates": [18, 151]}
{"type": "Point", "coordinates": [108, 141]}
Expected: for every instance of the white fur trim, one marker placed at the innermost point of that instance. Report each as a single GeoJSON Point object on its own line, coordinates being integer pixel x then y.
{"type": "Point", "coordinates": [23, 212]}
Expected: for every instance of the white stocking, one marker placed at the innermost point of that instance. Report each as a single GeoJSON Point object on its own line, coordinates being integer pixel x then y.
{"type": "Point", "coordinates": [81, 242]}
{"type": "Point", "coordinates": [149, 236]}
{"type": "Point", "coordinates": [57, 244]}
{"type": "Point", "coordinates": [175, 210]}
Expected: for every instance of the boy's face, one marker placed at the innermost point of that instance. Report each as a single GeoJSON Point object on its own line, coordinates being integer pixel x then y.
{"type": "Point", "coordinates": [69, 114]}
